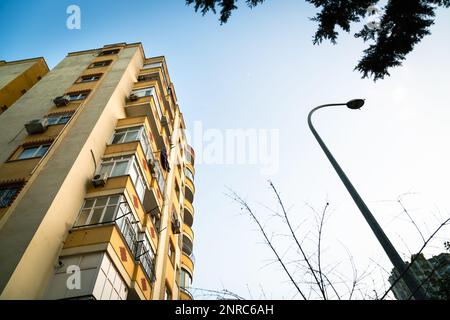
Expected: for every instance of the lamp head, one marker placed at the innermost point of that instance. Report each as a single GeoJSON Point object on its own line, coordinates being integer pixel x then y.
{"type": "Point", "coordinates": [355, 103]}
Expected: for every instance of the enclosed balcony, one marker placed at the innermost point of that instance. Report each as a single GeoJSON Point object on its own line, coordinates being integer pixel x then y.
{"type": "Point", "coordinates": [146, 102]}
{"type": "Point", "coordinates": [145, 189]}
{"type": "Point", "coordinates": [110, 220]}
{"type": "Point", "coordinates": [185, 284]}
{"type": "Point", "coordinates": [190, 155]}
{"type": "Point", "coordinates": [189, 191]}
{"type": "Point", "coordinates": [188, 214]}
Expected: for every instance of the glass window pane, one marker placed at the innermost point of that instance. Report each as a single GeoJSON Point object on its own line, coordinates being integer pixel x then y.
{"type": "Point", "coordinates": [106, 168]}
{"type": "Point", "coordinates": [140, 189]}
{"type": "Point", "coordinates": [120, 169]}
{"type": "Point", "coordinates": [96, 216]}
{"type": "Point", "coordinates": [52, 120]}
{"type": "Point", "coordinates": [88, 203]}
{"type": "Point", "coordinates": [64, 119]}
{"type": "Point", "coordinates": [82, 219]}
{"type": "Point", "coordinates": [109, 214]}
{"type": "Point", "coordinates": [113, 200]}
{"type": "Point", "coordinates": [42, 151]}
{"type": "Point", "coordinates": [28, 153]}
{"type": "Point", "coordinates": [118, 137]}
{"type": "Point", "coordinates": [133, 173]}
{"type": "Point", "coordinates": [101, 202]}
{"type": "Point", "coordinates": [131, 136]}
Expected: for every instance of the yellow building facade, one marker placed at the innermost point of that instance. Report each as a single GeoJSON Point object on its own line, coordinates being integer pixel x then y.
{"type": "Point", "coordinates": [97, 183]}
{"type": "Point", "coordinates": [17, 77]}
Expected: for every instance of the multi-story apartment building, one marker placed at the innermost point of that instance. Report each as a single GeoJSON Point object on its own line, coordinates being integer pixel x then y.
{"type": "Point", "coordinates": [431, 273]}
{"type": "Point", "coordinates": [17, 77]}
{"type": "Point", "coordinates": [96, 183]}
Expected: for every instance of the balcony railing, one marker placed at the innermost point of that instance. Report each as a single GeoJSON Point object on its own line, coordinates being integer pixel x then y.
{"type": "Point", "coordinates": [143, 255]}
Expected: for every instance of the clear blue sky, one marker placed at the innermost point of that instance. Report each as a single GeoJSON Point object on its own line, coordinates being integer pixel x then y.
{"type": "Point", "coordinates": [261, 71]}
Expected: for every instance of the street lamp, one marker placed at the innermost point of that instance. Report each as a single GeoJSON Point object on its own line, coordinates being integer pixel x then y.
{"type": "Point", "coordinates": [393, 255]}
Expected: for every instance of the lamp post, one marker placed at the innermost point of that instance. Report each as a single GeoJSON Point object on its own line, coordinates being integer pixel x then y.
{"type": "Point", "coordinates": [412, 283]}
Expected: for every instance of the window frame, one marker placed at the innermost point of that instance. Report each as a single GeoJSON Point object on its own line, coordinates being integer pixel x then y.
{"type": "Point", "coordinates": [142, 137]}
{"type": "Point", "coordinates": [58, 118]}
{"type": "Point", "coordinates": [104, 63]}
{"type": "Point", "coordinates": [6, 195]}
{"type": "Point", "coordinates": [38, 148]}
{"type": "Point", "coordinates": [152, 90]}
{"type": "Point", "coordinates": [132, 169]}
{"type": "Point", "coordinates": [108, 52]}
{"type": "Point", "coordinates": [80, 95]}
{"type": "Point", "coordinates": [82, 78]}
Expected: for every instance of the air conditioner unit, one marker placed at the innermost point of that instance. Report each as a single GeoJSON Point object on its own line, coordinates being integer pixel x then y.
{"type": "Point", "coordinates": [164, 121]}
{"type": "Point", "coordinates": [151, 165]}
{"type": "Point", "coordinates": [176, 226]}
{"type": "Point", "coordinates": [133, 97]}
{"type": "Point", "coordinates": [99, 180]}
{"type": "Point", "coordinates": [36, 126]}
{"type": "Point", "coordinates": [61, 101]}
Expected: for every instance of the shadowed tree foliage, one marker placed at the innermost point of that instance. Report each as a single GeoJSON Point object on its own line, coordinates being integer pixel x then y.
{"type": "Point", "coordinates": [402, 25]}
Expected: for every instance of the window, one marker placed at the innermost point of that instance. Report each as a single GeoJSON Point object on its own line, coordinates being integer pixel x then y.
{"type": "Point", "coordinates": [132, 134]}
{"type": "Point", "coordinates": [145, 255]}
{"type": "Point", "coordinates": [114, 167]}
{"type": "Point", "coordinates": [75, 96]}
{"type": "Point", "coordinates": [167, 293]}
{"type": "Point", "coordinates": [90, 78]}
{"type": "Point", "coordinates": [185, 279]}
{"type": "Point", "coordinates": [7, 195]}
{"type": "Point", "coordinates": [108, 52]}
{"type": "Point", "coordinates": [100, 64]}
{"type": "Point", "coordinates": [157, 171]}
{"type": "Point", "coordinates": [188, 173]}
{"type": "Point", "coordinates": [152, 65]}
{"type": "Point", "coordinates": [110, 209]}
{"type": "Point", "coordinates": [146, 77]}
{"type": "Point", "coordinates": [171, 253]}
{"type": "Point", "coordinates": [58, 119]}
{"type": "Point", "coordinates": [119, 166]}
{"type": "Point", "coordinates": [33, 152]}
{"type": "Point", "coordinates": [98, 210]}
{"type": "Point", "coordinates": [147, 92]}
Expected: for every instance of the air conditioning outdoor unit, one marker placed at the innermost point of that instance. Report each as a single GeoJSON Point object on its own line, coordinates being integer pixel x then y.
{"type": "Point", "coordinates": [36, 126]}
{"type": "Point", "coordinates": [151, 165]}
{"type": "Point", "coordinates": [176, 226]}
{"type": "Point", "coordinates": [133, 97]}
{"type": "Point", "coordinates": [164, 121]}
{"type": "Point", "coordinates": [99, 180]}
{"type": "Point", "coordinates": [61, 101]}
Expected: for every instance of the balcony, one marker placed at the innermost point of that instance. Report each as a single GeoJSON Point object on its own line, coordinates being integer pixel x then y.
{"type": "Point", "coordinates": [188, 231]}
{"type": "Point", "coordinates": [122, 174]}
{"type": "Point", "coordinates": [189, 191]}
{"type": "Point", "coordinates": [145, 102]}
{"type": "Point", "coordinates": [188, 215]}
{"type": "Point", "coordinates": [190, 155]}
{"type": "Point", "coordinates": [185, 294]}
{"type": "Point", "coordinates": [188, 261]}
{"type": "Point", "coordinates": [189, 172]}
{"type": "Point", "coordinates": [116, 228]}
